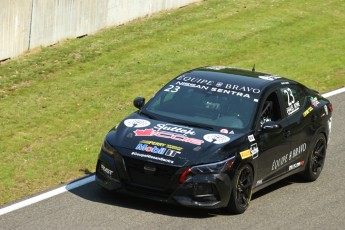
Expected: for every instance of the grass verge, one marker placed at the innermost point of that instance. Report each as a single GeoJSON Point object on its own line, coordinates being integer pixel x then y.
{"type": "Point", "coordinates": [57, 104]}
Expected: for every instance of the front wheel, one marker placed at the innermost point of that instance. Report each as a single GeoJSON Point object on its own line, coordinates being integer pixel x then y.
{"type": "Point", "coordinates": [242, 190]}
{"type": "Point", "coordinates": [316, 159]}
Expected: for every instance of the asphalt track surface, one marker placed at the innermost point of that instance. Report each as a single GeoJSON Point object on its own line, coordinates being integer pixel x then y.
{"type": "Point", "coordinates": [289, 204]}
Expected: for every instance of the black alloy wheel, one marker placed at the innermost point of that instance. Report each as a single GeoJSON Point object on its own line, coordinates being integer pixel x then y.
{"type": "Point", "coordinates": [242, 190]}
{"type": "Point", "coordinates": [316, 159]}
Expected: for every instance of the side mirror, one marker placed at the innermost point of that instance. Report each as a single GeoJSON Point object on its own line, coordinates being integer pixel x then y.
{"type": "Point", "coordinates": [271, 127]}
{"type": "Point", "coordinates": [139, 102]}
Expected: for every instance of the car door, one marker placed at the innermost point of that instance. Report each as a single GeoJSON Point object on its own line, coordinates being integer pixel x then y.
{"type": "Point", "coordinates": [274, 146]}
{"type": "Point", "coordinates": [293, 100]}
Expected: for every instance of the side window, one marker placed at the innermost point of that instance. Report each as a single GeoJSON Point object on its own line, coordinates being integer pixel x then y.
{"type": "Point", "coordinates": [293, 98]}
{"type": "Point", "coordinates": [271, 110]}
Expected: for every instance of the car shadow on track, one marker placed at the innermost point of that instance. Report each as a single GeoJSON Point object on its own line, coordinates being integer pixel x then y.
{"type": "Point", "coordinates": [95, 193]}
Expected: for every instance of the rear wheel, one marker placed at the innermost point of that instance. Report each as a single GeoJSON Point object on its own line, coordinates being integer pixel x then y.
{"type": "Point", "coordinates": [316, 159]}
{"type": "Point", "coordinates": [242, 190]}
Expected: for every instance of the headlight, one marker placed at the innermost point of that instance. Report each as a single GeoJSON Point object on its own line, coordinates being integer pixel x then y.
{"type": "Point", "coordinates": [212, 168]}
{"type": "Point", "coordinates": [216, 167]}
{"type": "Point", "coordinates": [106, 147]}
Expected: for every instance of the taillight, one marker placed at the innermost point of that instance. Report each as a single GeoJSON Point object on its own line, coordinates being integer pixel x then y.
{"type": "Point", "coordinates": [330, 107]}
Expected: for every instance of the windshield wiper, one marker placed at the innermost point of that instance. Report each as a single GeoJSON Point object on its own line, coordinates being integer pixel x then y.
{"type": "Point", "coordinates": [194, 125]}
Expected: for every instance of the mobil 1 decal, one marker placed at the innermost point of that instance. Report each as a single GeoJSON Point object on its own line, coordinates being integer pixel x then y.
{"type": "Point", "coordinates": [158, 148]}
{"type": "Point", "coordinates": [293, 105]}
{"type": "Point", "coordinates": [216, 86]}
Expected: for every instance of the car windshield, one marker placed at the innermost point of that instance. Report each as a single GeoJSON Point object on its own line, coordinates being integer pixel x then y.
{"type": "Point", "coordinates": [204, 106]}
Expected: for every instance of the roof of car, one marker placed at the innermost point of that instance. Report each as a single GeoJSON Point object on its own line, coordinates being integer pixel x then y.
{"type": "Point", "coordinates": [228, 77]}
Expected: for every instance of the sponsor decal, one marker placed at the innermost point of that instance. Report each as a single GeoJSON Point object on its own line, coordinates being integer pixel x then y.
{"type": "Point", "coordinates": [269, 77]}
{"type": "Point", "coordinates": [326, 109]}
{"type": "Point", "coordinates": [296, 165]}
{"type": "Point", "coordinates": [167, 135]}
{"type": "Point", "coordinates": [293, 105]}
{"type": "Point", "coordinates": [314, 102]}
{"type": "Point", "coordinates": [254, 150]}
{"type": "Point", "coordinates": [136, 123]}
{"type": "Point", "coordinates": [150, 149]}
{"type": "Point", "coordinates": [245, 154]}
{"type": "Point", "coordinates": [285, 83]}
{"type": "Point", "coordinates": [219, 84]}
{"type": "Point", "coordinates": [157, 150]}
{"type": "Point", "coordinates": [175, 128]}
{"type": "Point", "coordinates": [106, 170]}
{"type": "Point", "coordinates": [195, 80]}
{"type": "Point", "coordinates": [224, 131]}
{"type": "Point", "coordinates": [216, 138]}
{"type": "Point", "coordinates": [276, 164]}
{"type": "Point", "coordinates": [216, 67]}
{"type": "Point", "coordinates": [256, 100]}
{"type": "Point", "coordinates": [259, 182]}
{"type": "Point", "coordinates": [193, 85]}
{"type": "Point", "coordinates": [219, 87]}
{"type": "Point", "coordinates": [251, 138]}
{"type": "Point", "coordinates": [152, 157]}
{"type": "Point", "coordinates": [161, 145]}
{"type": "Point", "coordinates": [305, 113]}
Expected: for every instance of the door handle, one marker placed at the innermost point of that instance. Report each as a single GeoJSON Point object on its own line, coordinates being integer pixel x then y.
{"type": "Point", "coordinates": [286, 133]}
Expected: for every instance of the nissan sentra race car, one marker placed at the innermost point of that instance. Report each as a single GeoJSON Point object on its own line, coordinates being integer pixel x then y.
{"type": "Point", "coordinates": [213, 136]}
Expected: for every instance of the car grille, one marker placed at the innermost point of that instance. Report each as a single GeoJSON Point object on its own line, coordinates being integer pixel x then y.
{"type": "Point", "coordinates": [157, 179]}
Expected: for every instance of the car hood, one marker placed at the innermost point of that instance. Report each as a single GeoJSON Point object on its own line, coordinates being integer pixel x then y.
{"type": "Point", "coordinates": [166, 143]}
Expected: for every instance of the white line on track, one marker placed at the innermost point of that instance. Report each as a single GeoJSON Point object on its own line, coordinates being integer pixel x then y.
{"type": "Point", "coordinates": [47, 195]}
{"type": "Point", "coordinates": [335, 92]}
{"type": "Point", "coordinates": [86, 180]}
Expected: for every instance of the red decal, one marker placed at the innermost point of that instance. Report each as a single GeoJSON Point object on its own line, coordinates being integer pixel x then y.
{"type": "Point", "coordinates": [168, 135]}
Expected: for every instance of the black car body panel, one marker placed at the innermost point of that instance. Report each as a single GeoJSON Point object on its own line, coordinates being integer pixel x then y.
{"type": "Point", "coordinates": [187, 143]}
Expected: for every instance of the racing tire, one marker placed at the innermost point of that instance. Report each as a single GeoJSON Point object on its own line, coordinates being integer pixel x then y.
{"type": "Point", "coordinates": [242, 190]}
{"type": "Point", "coordinates": [316, 159]}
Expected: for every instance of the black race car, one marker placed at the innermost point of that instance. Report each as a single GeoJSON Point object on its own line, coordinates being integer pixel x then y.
{"type": "Point", "coordinates": [213, 136]}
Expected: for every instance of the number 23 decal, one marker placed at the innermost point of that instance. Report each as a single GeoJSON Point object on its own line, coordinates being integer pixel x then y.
{"type": "Point", "coordinates": [172, 88]}
{"type": "Point", "coordinates": [291, 98]}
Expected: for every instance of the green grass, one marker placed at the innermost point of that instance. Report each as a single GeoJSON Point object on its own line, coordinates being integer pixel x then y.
{"type": "Point", "coordinates": [57, 103]}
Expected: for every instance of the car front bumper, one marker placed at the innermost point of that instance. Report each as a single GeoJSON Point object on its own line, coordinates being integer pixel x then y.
{"type": "Point", "coordinates": [202, 190]}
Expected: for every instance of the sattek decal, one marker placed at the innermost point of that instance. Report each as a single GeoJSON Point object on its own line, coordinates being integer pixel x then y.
{"type": "Point", "coordinates": [289, 156]}
{"type": "Point", "coordinates": [167, 135]}
{"type": "Point", "coordinates": [305, 113]}
{"type": "Point", "coordinates": [136, 123]}
{"type": "Point", "coordinates": [216, 138]}
{"type": "Point", "coordinates": [175, 128]}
